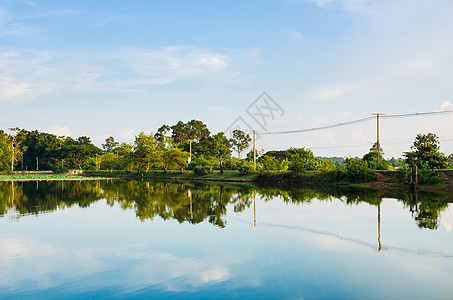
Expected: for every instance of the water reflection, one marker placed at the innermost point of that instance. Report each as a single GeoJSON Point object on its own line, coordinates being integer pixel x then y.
{"type": "Point", "coordinates": [304, 242]}
{"type": "Point", "coordinates": [197, 202]}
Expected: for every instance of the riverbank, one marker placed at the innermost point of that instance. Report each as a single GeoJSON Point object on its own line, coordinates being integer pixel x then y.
{"type": "Point", "coordinates": [45, 177]}
{"type": "Point", "coordinates": [384, 179]}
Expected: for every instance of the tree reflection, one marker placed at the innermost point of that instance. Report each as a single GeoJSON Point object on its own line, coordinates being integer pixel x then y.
{"type": "Point", "coordinates": [198, 202]}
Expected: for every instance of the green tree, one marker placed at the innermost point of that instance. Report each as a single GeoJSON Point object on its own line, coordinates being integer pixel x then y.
{"type": "Point", "coordinates": [240, 141]}
{"type": "Point", "coordinates": [161, 134]}
{"type": "Point", "coordinates": [110, 145]}
{"type": "Point", "coordinates": [5, 155]}
{"type": "Point", "coordinates": [426, 153]}
{"type": "Point", "coordinates": [174, 158]}
{"type": "Point", "coordinates": [220, 148]}
{"type": "Point", "coordinates": [372, 157]}
{"type": "Point", "coordinates": [145, 151]}
{"type": "Point", "coordinates": [15, 140]}
{"type": "Point", "coordinates": [78, 153]}
{"type": "Point", "coordinates": [194, 130]}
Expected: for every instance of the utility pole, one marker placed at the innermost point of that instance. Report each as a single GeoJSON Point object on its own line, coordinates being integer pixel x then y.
{"type": "Point", "coordinates": [254, 150]}
{"type": "Point", "coordinates": [190, 151]}
{"type": "Point", "coordinates": [378, 145]}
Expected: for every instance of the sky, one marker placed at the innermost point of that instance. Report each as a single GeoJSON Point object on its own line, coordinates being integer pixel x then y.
{"type": "Point", "coordinates": [116, 68]}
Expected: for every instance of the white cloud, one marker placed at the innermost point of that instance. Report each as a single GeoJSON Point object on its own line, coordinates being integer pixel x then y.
{"type": "Point", "coordinates": [335, 90]}
{"type": "Point", "coordinates": [351, 5]}
{"type": "Point", "coordinates": [60, 130]}
{"type": "Point", "coordinates": [213, 62]}
{"type": "Point", "coordinates": [169, 64]}
{"type": "Point", "coordinates": [446, 106]}
{"type": "Point", "coordinates": [127, 134]}
{"type": "Point", "coordinates": [10, 88]}
{"type": "Point", "coordinates": [27, 74]}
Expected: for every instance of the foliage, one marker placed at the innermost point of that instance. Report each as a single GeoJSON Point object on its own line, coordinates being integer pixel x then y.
{"type": "Point", "coordinates": [174, 158]}
{"type": "Point", "coordinates": [429, 177]}
{"type": "Point", "coordinates": [5, 155]}
{"type": "Point", "coordinates": [161, 133]}
{"type": "Point", "coordinates": [202, 165]}
{"type": "Point", "coordinates": [240, 141]}
{"type": "Point", "coordinates": [231, 163]}
{"type": "Point", "coordinates": [245, 167]}
{"type": "Point", "coordinates": [426, 154]}
{"type": "Point", "coordinates": [220, 148]}
{"type": "Point", "coordinates": [396, 163]}
{"type": "Point", "coordinates": [193, 130]}
{"type": "Point", "coordinates": [356, 170]}
{"type": "Point", "coordinates": [425, 176]}
{"type": "Point", "coordinates": [337, 161]}
{"type": "Point", "coordinates": [269, 162]}
{"type": "Point", "coordinates": [109, 161]}
{"type": "Point", "coordinates": [144, 151]}
{"type": "Point", "coordinates": [110, 145]}
{"type": "Point", "coordinates": [372, 158]}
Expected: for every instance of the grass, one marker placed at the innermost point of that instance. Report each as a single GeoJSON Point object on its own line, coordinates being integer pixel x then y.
{"type": "Point", "coordinates": [44, 177]}
{"type": "Point", "coordinates": [227, 175]}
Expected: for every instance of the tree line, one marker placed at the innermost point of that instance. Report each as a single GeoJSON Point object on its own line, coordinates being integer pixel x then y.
{"type": "Point", "coordinates": [192, 146]}
{"type": "Point", "coordinates": [193, 202]}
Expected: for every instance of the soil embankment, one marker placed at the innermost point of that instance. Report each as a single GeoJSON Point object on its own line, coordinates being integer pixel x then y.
{"type": "Point", "coordinates": [387, 180]}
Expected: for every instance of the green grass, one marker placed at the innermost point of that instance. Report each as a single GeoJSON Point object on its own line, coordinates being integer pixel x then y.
{"type": "Point", "coordinates": [44, 177]}
{"type": "Point", "coordinates": [228, 175]}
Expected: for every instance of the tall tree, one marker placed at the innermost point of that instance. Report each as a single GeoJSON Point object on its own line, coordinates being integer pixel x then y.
{"type": "Point", "coordinates": [220, 148]}
{"type": "Point", "coordinates": [80, 153]}
{"type": "Point", "coordinates": [372, 155]}
{"type": "Point", "coordinates": [240, 141]}
{"type": "Point", "coordinates": [161, 133]}
{"type": "Point", "coordinates": [5, 155]}
{"type": "Point", "coordinates": [426, 153]}
{"type": "Point", "coordinates": [194, 130]}
{"type": "Point", "coordinates": [145, 151]}
{"type": "Point", "coordinates": [174, 158]}
{"type": "Point", "coordinates": [110, 144]}
{"type": "Point", "coordinates": [15, 139]}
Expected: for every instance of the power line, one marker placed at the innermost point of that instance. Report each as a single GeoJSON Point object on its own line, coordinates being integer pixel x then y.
{"type": "Point", "coordinates": [418, 114]}
{"type": "Point", "coordinates": [360, 121]}
{"type": "Point", "coordinates": [319, 128]}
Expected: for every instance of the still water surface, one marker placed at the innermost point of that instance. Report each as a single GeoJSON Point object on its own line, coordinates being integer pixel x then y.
{"type": "Point", "coordinates": [129, 239]}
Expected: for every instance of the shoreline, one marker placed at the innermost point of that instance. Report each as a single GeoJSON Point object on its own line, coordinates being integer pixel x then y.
{"type": "Point", "coordinates": [385, 179]}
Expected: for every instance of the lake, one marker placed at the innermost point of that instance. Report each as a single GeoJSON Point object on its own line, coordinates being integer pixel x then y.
{"type": "Point", "coordinates": [138, 239]}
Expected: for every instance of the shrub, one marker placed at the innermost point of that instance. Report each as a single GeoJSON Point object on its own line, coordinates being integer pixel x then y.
{"type": "Point", "coordinates": [245, 167]}
{"type": "Point", "coordinates": [356, 170]}
{"type": "Point", "coordinates": [231, 163]}
{"type": "Point", "coordinates": [202, 166]}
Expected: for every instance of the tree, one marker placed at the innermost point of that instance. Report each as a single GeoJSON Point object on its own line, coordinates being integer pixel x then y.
{"type": "Point", "coordinates": [5, 155]}
{"type": "Point", "coordinates": [84, 140]}
{"type": "Point", "coordinates": [80, 153]}
{"type": "Point", "coordinates": [15, 140]}
{"type": "Point", "coordinates": [371, 158]}
{"type": "Point", "coordinates": [220, 148]}
{"type": "Point", "coordinates": [426, 153]}
{"type": "Point", "coordinates": [174, 158]}
{"type": "Point", "coordinates": [145, 151]}
{"type": "Point", "coordinates": [125, 157]}
{"type": "Point", "coordinates": [110, 144]}
{"type": "Point", "coordinates": [161, 134]}
{"type": "Point", "coordinates": [194, 130]}
{"type": "Point", "coordinates": [40, 145]}
{"type": "Point", "coordinates": [240, 141]}
{"type": "Point", "coordinates": [197, 130]}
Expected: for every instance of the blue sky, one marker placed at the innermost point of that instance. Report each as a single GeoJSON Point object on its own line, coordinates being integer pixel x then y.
{"type": "Point", "coordinates": [115, 68]}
